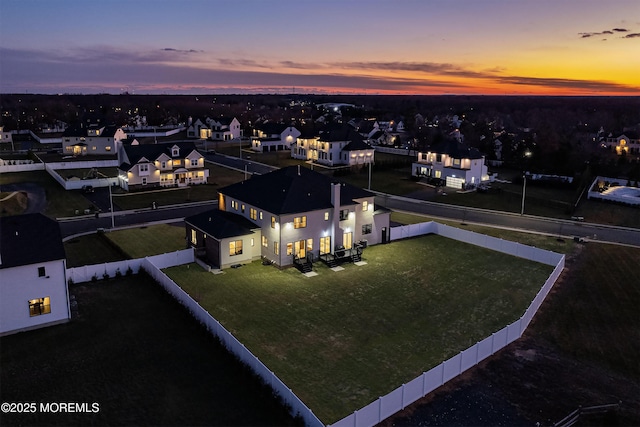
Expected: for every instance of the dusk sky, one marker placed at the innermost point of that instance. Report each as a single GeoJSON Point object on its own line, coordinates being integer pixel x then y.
{"type": "Point", "coordinates": [503, 47]}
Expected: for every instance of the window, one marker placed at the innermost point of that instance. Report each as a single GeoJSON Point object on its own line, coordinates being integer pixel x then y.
{"type": "Point", "coordinates": [242, 208]}
{"type": "Point", "coordinates": [366, 229]}
{"type": "Point", "coordinates": [41, 272]}
{"type": "Point", "coordinates": [300, 222]}
{"type": "Point", "coordinates": [194, 162]}
{"type": "Point", "coordinates": [309, 245]}
{"type": "Point", "coordinates": [252, 242]}
{"type": "Point", "coordinates": [39, 306]}
{"type": "Point", "coordinates": [273, 222]}
{"type": "Point", "coordinates": [347, 240]}
{"type": "Point", "coordinates": [325, 245]}
{"type": "Point", "coordinates": [234, 204]}
{"type": "Point", "coordinates": [143, 169]}
{"type": "Point", "coordinates": [456, 162]}
{"type": "Point", "coordinates": [365, 206]}
{"type": "Point", "coordinates": [235, 247]}
{"type": "Point", "coordinates": [344, 214]}
{"type": "Point", "coordinates": [265, 242]}
{"type": "Point", "coordinates": [253, 214]}
{"type": "Point", "coordinates": [260, 214]}
{"type": "Point", "coordinates": [144, 180]}
{"type": "Point", "coordinates": [289, 249]}
{"type": "Point", "coordinates": [276, 248]}
{"type": "Point", "coordinates": [175, 152]}
{"type": "Point", "coordinates": [326, 216]}
{"type": "Point", "coordinates": [194, 237]}
{"type": "Point", "coordinates": [163, 165]}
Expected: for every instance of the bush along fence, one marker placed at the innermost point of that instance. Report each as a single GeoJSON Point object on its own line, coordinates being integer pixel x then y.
{"type": "Point", "coordinates": [231, 343]}
{"type": "Point", "coordinates": [408, 393]}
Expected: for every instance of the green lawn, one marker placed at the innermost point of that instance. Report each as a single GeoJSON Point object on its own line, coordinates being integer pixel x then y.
{"type": "Point", "coordinates": [342, 339]}
{"type": "Point", "coordinates": [146, 241]}
{"type": "Point", "coordinates": [91, 249]}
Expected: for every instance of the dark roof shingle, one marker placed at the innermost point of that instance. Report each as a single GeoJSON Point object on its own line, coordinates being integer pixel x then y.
{"type": "Point", "coordinates": [29, 239]}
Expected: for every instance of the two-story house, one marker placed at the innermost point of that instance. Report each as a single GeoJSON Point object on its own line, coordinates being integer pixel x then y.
{"type": "Point", "coordinates": [299, 214]}
{"type": "Point", "coordinates": [336, 146]}
{"type": "Point", "coordinates": [271, 136]}
{"type": "Point", "coordinates": [453, 163]}
{"type": "Point", "coordinates": [160, 165]}
{"type": "Point", "coordinates": [94, 139]}
{"type": "Point", "coordinates": [33, 285]}
{"type": "Point", "coordinates": [627, 143]}
{"type": "Point", "coordinates": [198, 128]}
{"type": "Point", "coordinates": [225, 128]}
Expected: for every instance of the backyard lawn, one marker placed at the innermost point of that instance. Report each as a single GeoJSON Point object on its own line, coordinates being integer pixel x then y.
{"type": "Point", "coordinates": [342, 339]}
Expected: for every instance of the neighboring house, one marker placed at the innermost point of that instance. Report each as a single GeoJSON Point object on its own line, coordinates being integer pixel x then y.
{"type": "Point", "coordinates": [338, 146]}
{"type": "Point", "coordinates": [33, 289]}
{"type": "Point", "coordinates": [5, 136]}
{"type": "Point", "coordinates": [160, 165]}
{"type": "Point", "coordinates": [455, 164]}
{"type": "Point", "coordinates": [273, 137]}
{"type": "Point", "coordinates": [222, 239]}
{"type": "Point", "coordinates": [93, 139]}
{"type": "Point", "coordinates": [225, 129]}
{"type": "Point", "coordinates": [628, 143]}
{"type": "Point", "coordinates": [198, 129]}
{"type": "Point", "coordinates": [305, 215]}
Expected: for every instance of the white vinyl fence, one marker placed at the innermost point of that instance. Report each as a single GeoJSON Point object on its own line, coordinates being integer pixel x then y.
{"type": "Point", "coordinates": [87, 272]}
{"type": "Point", "coordinates": [20, 167]}
{"type": "Point", "coordinates": [406, 394]}
{"type": "Point", "coordinates": [78, 184]}
{"type": "Point", "coordinates": [232, 344]}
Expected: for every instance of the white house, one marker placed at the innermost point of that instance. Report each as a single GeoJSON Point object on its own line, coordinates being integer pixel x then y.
{"type": "Point", "coordinates": [453, 163]}
{"type": "Point", "coordinates": [273, 137]}
{"type": "Point", "coordinates": [337, 146]}
{"type": "Point", "coordinates": [33, 289]}
{"type": "Point", "coordinates": [304, 216]}
{"type": "Point", "coordinates": [93, 139]}
{"type": "Point", "coordinates": [198, 129]}
{"type": "Point", "coordinates": [627, 143]}
{"type": "Point", "coordinates": [224, 128]}
{"type": "Point", "coordinates": [160, 165]}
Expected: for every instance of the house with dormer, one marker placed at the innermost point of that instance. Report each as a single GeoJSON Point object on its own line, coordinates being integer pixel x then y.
{"type": "Point", "coordinates": [92, 140]}
{"type": "Point", "coordinates": [627, 142]}
{"type": "Point", "coordinates": [148, 166]}
{"type": "Point", "coordinates": [224, 129]}
{"type": "Point", "coordinates": [295, 216]}
{"type": "Point", "coordinates": [271, 136]}
{"type": "Point", "coordinates": [198, 128]}
{"type": "Point", "coordinates": [33, 289]}
{"type": "Point", "coordinates": [334, 146]}
{"type": "Point", "coordinates": [453, 163]}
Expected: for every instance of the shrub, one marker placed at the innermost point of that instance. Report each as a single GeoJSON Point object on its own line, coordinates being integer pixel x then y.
{"type": "Point", "coordinates": [94, 278]}
{"type": "Point", "coordinates": [105, 276]}
{"type": "Point", "coordinates": [129, 271]}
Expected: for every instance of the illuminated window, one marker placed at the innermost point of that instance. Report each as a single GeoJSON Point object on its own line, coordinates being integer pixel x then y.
{"type": "Point", "coordinates": [276, 248]}
{"type": "Point", "coordinates": [365, 206]}
{"type": "Point", "coordinates": [242, 208]}
{"type": "Point", "coordinates": [39, 306]}
{"type": "Point", "coordinates": [253, 214]}
{"type": "Point", "coordinates": [300, 222]}
{"type": "Point", "coordinates": [194, 237]}
{"type": "Point", "coordinates": [309, 245]}
{"type": "Point", "coordinates": [326, 216]}
{"type": "Point", "coordinates": [252, 242]}
{"type": "Point", "coordinates": [325, 245]}
{"type": "Point", "coordinates": [260, 214]}
{"type": "Point", "coordinates": [456, 162]}
{"type": "Point", "coordinates": [366, 229]}
{"type": "Point", "coordinates": [265, 242]}
{"type": "Point", "coordinates": [273, 222]}
{"type": "Point", "coordinates": [235, 247]}
{"type": "Point", "coordinates": [289, 249]}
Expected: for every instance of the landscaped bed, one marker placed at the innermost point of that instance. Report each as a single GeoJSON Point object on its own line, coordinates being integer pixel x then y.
{"type": "Point", "coordinates": [342, 339]}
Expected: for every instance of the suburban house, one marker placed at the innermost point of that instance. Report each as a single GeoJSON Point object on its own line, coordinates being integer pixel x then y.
{"type": "Point", "coordinates": [453, 163]}
{"type": "Point", "coordinates": [273, 137]}
{"type": "Point", "coordinates": [336, 146]}
{"type": "Point", "coordinates": [5, 136]}
{"type": "Point", "coordinates": [33, 289]}
{"type": "Point", "coordinates": [93, 139]}
{"type": "Point", "coordinates": [143, 166]}
{"type": "Point", "coordinates": [304, 216]}
{"type": "Point", "coordinates": [628, 143]}
{"type": "Point", "coordinates": [222, 239]}
{"type": "Point", "coordinates": [216, 129]}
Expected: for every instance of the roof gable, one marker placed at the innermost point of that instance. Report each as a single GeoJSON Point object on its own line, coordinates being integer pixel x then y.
{"type": "Point", "coordinates": [221, 224]}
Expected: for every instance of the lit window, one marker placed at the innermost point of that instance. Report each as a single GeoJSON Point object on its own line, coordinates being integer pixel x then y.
{"type": "Point", "coordinates": [242, 208]}
{"type": "Point", "coordinates": [41, 272]}
{"type": "Point", "coordinates": [300, 222]}
{"type": "Point", "coordinates": [39, 306]}
{"type": "Point", "coordinates": [194, 237]}
{"type": "Point", "coordinates": [309, 245]}
{"type": "Point", "coordinates": [273, 222]}
{"type": "Point", "coordinates": [325, 245]}
{"type": "Point", "coordinates": [260, 214]}
{"type": "Point", "coordinates": [235, 247]}
{"type": "Point", "coordinates": [326, 216]}
{"type": "Point", "coordinates": [253, 214]}
{"type": "Point", "coordinates": [265, 242]}
{"type": "Point", "coordinates": [276, 248]}
{"type": "Point", "coordinates": [289, 249]}
{"type": "Point", "coordinates": [365, 206]}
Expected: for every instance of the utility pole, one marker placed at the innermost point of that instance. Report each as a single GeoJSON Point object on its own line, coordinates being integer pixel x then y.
{"type": "Point", "coordinates": [524, 189]}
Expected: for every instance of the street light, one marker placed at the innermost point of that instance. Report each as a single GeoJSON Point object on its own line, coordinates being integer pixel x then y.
{"type": "Point", "coordinates": [527, 155]}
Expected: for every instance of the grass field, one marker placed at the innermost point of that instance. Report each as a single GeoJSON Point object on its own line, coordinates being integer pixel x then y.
{"type": "Point", "coordinates": [341, 339]}
{"type": "Point", "coordinates": [141, 357]}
